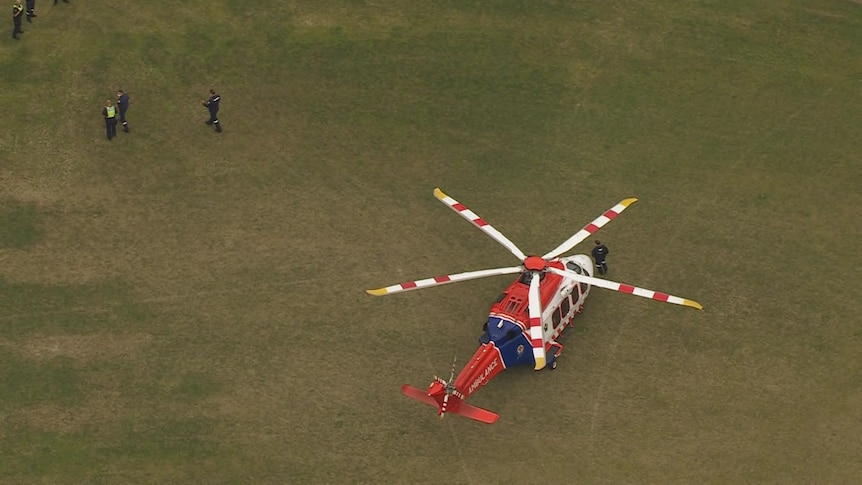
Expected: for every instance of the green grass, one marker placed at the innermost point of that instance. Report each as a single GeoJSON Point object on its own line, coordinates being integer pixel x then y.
{"type": "Point", "coordinates": [20, 225]}
{"type": "Point", "coordinates": [181, 306]}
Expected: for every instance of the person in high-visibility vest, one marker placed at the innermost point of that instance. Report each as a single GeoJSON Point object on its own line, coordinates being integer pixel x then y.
{"type": "Point", "coordinates": [110, 114]}
{"type": "Point", "coordinates": [17, 10]}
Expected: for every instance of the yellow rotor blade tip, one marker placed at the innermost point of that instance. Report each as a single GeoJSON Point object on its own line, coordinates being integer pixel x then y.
{"type": "Point", "coordinates": [629, 201]}
{"type": "Point", "coordinates": [693, 304]}
{"type": "Point", "coordinates": [439, 193]}
{"type": "Point", "coordinates": [377, 292]}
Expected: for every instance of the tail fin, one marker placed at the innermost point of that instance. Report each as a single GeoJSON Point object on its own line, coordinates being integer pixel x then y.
{"type": "Point", "coordinates": [451, 403]}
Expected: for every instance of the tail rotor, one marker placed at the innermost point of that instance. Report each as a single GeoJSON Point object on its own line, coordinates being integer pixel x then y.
{"type": "Point", "coordinates": [443, 395]}
{"type": "Point", "coordinates": [449, 389]}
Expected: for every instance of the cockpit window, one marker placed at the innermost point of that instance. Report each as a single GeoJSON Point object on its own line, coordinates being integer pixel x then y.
{"type": "Point", "coordinates": [574, 267]}
{"type": "Point", "coordinates": [577, 269]}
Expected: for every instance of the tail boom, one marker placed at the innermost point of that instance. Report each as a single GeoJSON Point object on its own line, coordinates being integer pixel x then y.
{"type": "Point", "coordinates": [448, 397]}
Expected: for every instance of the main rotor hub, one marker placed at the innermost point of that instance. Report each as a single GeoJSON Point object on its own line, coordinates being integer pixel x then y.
{"type": "Point", "coordinates": [535, 263]}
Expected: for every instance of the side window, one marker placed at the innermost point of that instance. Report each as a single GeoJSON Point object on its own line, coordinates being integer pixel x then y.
{"type": "Point", "coordinates": [565, 306]}
{"type": "Point", "coordinates": [557, 317]}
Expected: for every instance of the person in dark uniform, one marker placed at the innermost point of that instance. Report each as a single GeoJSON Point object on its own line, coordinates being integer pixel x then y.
{"type": "Point", "coordinates": [31, 5]}
{"type": "Point", "coordinates": [212, 105]}
{"type": "Point", "coordinates": [123, 105]}
{"type": "Point", "coordinates": [17, 10]}
{"type": "Point", "coordinates": [600, 252]}
{"type": "Point", "coordinates": [110, 114]}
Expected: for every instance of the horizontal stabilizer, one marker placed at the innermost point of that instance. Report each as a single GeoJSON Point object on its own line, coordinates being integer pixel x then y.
{"type": "Point", "coordinates": [477, 414]}
{"type": "Point", "coordinates": [455, 405]}
{"type": "Point", "coordinates": [419, 395]}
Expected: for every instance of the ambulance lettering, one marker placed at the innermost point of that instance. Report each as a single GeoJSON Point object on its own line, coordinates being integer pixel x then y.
{"type": "Point", "coordinates": [482, 376]}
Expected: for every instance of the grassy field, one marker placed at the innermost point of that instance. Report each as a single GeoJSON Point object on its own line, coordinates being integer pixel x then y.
{"type": "Point", "coordinates": [186, 307]}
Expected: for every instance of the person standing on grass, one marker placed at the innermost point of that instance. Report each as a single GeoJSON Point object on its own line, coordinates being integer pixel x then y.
{"type": "Point", "coordinates": [123, 105]}
{"type": "Point", "coordinates": [31, 6]}
{"type": "Point", "coordinates": [17, 10]}
{"type": "Point", "coordinates": [212, 105]}
{"type": "Point", "coordinates": [110, 114]}
{"type": "Point", "coordinates": [600, 252]}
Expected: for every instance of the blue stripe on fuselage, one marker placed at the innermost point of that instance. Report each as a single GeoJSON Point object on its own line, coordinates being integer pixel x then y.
{"type": "Point", "coordinates": [510, 340]}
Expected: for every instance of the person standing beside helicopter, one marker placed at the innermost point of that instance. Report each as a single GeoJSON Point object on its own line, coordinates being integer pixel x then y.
{"type": "Point", "coordinates": [17, 10]}
{"type": "Point", "coordinates": [110, 114]}
{"type": "Point", "coordinates": [212, 105]}
{"type": "Point", "coordinates": [123, 106]}
{"type": "Point", "coordinates": [600, 252]}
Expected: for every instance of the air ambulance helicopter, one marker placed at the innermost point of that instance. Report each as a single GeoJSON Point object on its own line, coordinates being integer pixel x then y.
{"type": "Point", "coordinates": [527, 318]}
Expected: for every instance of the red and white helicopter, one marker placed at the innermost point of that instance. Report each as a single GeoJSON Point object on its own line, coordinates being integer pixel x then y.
{"type": "Point", "coordinates": [527, 318]}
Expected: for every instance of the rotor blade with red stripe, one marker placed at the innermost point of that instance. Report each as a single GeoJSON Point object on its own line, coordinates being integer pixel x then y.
{"type": "Point", "coordinates": [442, 280]}
{"type": "Point", "coordinates": [590, 228]}
{"type": "Point", "coordinates": [537, 336]}
{"type": "Point", "coordinates": [624, 288]}
{"type": "Point", "coordinates": [477, 221]}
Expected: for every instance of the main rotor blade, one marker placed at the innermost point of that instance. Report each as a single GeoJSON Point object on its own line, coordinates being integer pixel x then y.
{"type": "Point", "coordinates": [442, 280]}
{"type": "Point", "coordinates": [477, 221]}
{"type": "Point", "coordinates": [537, 336]}
{"type": "Point", "coordinates": [590, 228]}
{"type": "Point", "coordinates": [624, 288]}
